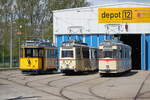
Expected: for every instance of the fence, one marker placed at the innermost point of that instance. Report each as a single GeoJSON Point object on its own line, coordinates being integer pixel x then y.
{"type": "Point", "coordinates": [5, 62]}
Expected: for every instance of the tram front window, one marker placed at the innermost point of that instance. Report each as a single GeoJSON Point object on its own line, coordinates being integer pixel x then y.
{"type": "Point", "coordinates": [108, 54]}
{"type": "Point", "coordinates": [67, 53]}
{"type": "Point", "coordinates": [34, 52]}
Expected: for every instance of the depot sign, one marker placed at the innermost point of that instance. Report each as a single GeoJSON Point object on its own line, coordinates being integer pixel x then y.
{"type": "Point", "coordinates": [124, 15]}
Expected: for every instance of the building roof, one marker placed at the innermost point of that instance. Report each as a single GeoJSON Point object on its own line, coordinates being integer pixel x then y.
{"type": "Point", "coordinates": [103, 6]}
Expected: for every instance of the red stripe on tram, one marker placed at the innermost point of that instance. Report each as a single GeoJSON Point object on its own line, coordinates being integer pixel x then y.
{"type": "Point", "coordinates": [69, 59]}
{"type": "Point", "coordinates": [109, 59]}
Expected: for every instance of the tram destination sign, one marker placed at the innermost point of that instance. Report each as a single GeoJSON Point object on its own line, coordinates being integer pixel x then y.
{"type": "Point", "coordinates": [124, 15]}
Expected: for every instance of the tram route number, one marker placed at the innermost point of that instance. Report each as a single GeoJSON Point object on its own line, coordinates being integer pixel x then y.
{"type": "Point", "coordinates": [124, 15]}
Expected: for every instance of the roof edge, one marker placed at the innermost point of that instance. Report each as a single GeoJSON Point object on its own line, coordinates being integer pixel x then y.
{"type": "Point", "coordinates": [104, 5]}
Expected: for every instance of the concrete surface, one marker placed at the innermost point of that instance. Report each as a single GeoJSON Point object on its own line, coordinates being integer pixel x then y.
{"type": "Point", "coordinates": [134, 85]}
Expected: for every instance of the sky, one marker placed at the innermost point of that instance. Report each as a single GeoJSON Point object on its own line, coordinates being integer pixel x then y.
{"type": "Point", "coordinates": [98, 2]}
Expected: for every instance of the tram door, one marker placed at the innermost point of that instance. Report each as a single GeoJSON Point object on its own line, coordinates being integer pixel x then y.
{"type": "Point", "coordinates": [41, 55]}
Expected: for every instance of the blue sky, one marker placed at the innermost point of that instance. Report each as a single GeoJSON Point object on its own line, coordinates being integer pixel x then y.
{"type": "Point", "coordinates": [97, 2]}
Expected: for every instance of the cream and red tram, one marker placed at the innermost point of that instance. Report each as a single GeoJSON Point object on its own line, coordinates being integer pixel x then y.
{"type": "Point", "coordinates": [38, 56]}
{"type": "Point", "coordinates": [77, 57]}
{"type": "Point", "coordinates": [114, 57]}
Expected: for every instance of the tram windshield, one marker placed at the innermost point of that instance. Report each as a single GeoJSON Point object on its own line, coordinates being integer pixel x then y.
{"type": "Point", "coordinates": [67, 53]}
{"type": "Point", "coordinates": [34, 52]}
{"type": "Point", "coordinates": [108, 54]}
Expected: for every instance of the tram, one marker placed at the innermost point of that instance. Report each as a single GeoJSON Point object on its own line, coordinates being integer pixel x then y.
{"type": "Point", "coordinates": [38, 56]}
{"type": "Point", "coordinates": [114, 57]}
{"type": "Point", "coordinates": [76, 56]}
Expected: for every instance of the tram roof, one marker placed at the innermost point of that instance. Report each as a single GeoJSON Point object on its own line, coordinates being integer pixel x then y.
{"type": "Point", "coordinates": [73, 43]}
{"type": "Point", "coordinates": [37, 43]}
{"type": "Point", "coordinates": [114, 41]}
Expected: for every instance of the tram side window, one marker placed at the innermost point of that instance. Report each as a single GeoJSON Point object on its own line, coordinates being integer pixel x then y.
{"type": "Point", "coordinates": [55, 53]}
{"type": "Point", "coordinates": [21, 52]}
{"type": "Point", "coordinates": [125, 52]}
{"type": "Point", "coordinates": [122, 53]}
{"type": "Point", "coordinates": [115, 54]}
{"type": "Point", "coordinates": [50, 53]}
{"type": "Point", "coordinates": [35, 52]}
{"type": "Point", "coordinates": [101, 53]}
{"type": "Point", "coordinates": [78, 53]}
{"type": "Point", "coordinates": [93, 53]}
{"type": "Point", "coordinates": [96, 54]}
{"type": "Point", "coordinates": [40, 52]}
{"type": "Point", "coordinates": [85, 52]}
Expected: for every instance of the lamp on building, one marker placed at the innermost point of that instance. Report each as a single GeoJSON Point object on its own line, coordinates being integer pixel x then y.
{"type": "Point", "coordinates": [126, 27]}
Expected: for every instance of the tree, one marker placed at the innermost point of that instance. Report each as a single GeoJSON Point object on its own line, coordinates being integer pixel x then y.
{"type": "Point", "coordinates": [34, 17]}
{"type": "Point", "coordinates": [62, 4]}
{"type": "Point", "coordinates": [5, 9]}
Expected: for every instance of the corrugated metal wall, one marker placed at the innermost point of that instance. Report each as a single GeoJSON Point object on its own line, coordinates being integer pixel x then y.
{"type": "Point", "coordinates": [92, 40]}
{"type": "Point", "coordinates": [145, 52]}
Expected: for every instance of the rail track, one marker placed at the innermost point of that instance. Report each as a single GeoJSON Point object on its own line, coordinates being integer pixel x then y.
{"type": "Point", "coordinates": [74, 84]}
{"type": "Point", "coordinates": [27, 84]}
{"type": "Point", "coordinates": [94, 94]}
{"type": "Point", "coordinates": [141, 86]}
{"type": "Point", "coordinates": [65, 86]}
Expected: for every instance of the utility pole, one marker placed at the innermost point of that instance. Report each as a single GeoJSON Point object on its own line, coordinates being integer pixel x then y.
{"type": "Point", "coordinates": [3, 57]}
{"type": "Point", "coordinates": [19, 33]}
{"type": "Point", "coordinates": [11, 41]}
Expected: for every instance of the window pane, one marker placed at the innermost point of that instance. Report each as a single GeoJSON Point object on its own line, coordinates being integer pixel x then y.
{"type": "Point", "coordinates": [35, 52]}
{"type": "Point", "coordinates": [110, 54]}
{"type": "Point", "coordinates": [41, 53]}
{"type": "Point", "coordinates": [67, 53]}
{"type": "Point", "coordinates": [78, 55]}
{"type": "Point", "coordinates": [85, 52]}
{"type": "Point", "coordinates": [21, 52]}
{"type": "Point", "coordinates": [28, 52]}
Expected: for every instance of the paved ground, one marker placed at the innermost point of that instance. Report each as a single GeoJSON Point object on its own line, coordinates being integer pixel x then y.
{"type": "Point", "coordinates": [130, 86]}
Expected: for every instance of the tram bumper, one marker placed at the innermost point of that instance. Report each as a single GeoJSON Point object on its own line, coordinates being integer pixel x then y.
{"type": "Point", "coordinates": [30, 71]}
{"type": "Point", "coordinates": [107, 71]}
{"type": "Point", "coordinates": [64, 70]}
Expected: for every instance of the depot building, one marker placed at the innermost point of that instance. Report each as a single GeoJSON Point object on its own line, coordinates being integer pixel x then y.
{"type": "Point", "coordinates": [92, 25]}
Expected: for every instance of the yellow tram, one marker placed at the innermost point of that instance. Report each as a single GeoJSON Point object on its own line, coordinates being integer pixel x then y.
{"type": "Point", "coordinates": [38, 56]}
{"type": "Point", "coordinates": [77, 57]}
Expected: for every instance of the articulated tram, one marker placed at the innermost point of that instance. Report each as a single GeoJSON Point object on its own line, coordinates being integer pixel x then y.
{"type": "Point", "coordinates": [38, 56]}
{"type": "Point", "coordinates": [77, 57]}
{"type": "Point", "coordinates": [114, 57]}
